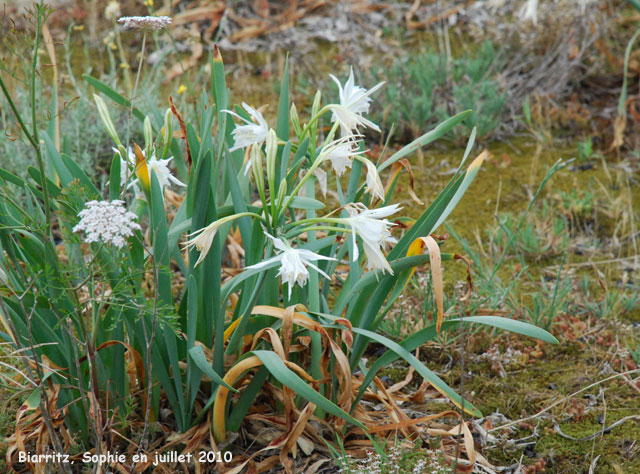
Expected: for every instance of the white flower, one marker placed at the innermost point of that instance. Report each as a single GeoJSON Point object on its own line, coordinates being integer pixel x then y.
{"type": "Point", "coordinates": [127, 166]}
{"type": "Point", "coordinates": [529, 11]}
{"type": "Point", "coordinates": [108, 222]}
{"type": "Point", "coordinates": [252, 133]}
{"type": "Point", "coordinates": [321, 177]}
{"type": "Point", "coordinates": [354, 101]}
{"type": "Point", "coordinates": [374, 185]}
{"type": "Point", "coordinates": [341, 155]}
{"type": "Point", "coordinates": [373, 230]}
{"type": "Point", "coordinates": [202, 239]}
{"type": "Point", "coordinates": [293, 263]}
{"type": "Point", "coordinates": [145, 22]}
{"type": "Point", "coordinates": [160, 167]}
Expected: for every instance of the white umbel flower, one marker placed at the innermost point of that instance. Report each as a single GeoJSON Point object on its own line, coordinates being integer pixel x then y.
{"type": "Point", "coordinates": [374, 231]}
{"type": "Point", "coordinates": [107, 222]}
{"type": "Point", "coordinates": [354, 101]}
{"type": "Point", "coordinates": [145, 22]}
{"type": "Point", "coordinates": [252, 133]}
{"type": "Point", "coordinates": [293, 263]}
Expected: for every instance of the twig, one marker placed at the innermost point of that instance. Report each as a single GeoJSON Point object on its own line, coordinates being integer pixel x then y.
{"type": "Point", "coordinates": [595, 384]}
{"type": "Point", "coordinates": [558, 430]}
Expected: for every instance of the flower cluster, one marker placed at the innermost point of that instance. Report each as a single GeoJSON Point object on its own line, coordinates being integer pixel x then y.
{"type": "Point", "coordinates": [367, 225]}
{"type": "Point", "coordinates": [107, 221]}
{"type": "Point", "coordinates": [145, 22]}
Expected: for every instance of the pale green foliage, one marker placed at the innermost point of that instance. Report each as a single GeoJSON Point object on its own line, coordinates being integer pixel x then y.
{"type": "Point", "coordinates": [426, 88]}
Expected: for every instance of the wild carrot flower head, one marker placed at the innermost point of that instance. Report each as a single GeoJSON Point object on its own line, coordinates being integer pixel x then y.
{"type": "Point", "coordinates": [107, 221]}
{"type": "Point", "coordinates": [145, 22]}
{"type": "Point", "coordinates": [354, 101]}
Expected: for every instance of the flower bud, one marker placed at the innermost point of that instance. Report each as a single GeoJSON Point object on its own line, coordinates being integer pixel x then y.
{"type": "Point", "coordinates": [167, 132]}
{"type": "Point", "coordinates": [106, 119]}
{"type": "Point", "coordinates": [295, 120]}
{"type": "Point", "coordinates": [315, 108]}
{"type": "Point", "coordinates": [282, 191]}
{"type": "Point", "coordinates": [272, 153]}
{"type": "Point", "coordinates": [148, 136]}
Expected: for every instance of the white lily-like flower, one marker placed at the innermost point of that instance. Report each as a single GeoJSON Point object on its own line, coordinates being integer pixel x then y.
{"type": "Point", "coordinates": [321, 177]}
{"type": "Point", "coordinates": [160, 167]}
{"type": "Point", "coordinates": [374, 230]}
{"type": "Point", "coordinates": [202, 240]}
{"type": "Point", "coordinates": [373, 182]}
{"type": "Point", "coordinates": [354, 101]}
{"type": "Point", "coordinates": [293, 263]}
{"type": "Point", "coordinates": [252, 133]}
{"type": "Point", "coordinates": [341, 155]}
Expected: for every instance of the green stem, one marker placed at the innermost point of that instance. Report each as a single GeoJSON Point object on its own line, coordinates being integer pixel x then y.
{"type": "Point", "coordinates": [16, 113]}
{"type": "Point", "coordinates": [314, 119]}
{"type": "Point", "coordinates": [135, 88]}
{"type": "Point", "coordinates": [317, 162]}
{"type": "Point", "coordinates": [316, 220]}
{"type": "Point", "coordinates": [35, 140]}
{"type": "Point", "coordinates": [123, 57]}
{"type": "Point", "coordinates": [314, 305]}
{"type": "Point", "coordinates": [327, 228]}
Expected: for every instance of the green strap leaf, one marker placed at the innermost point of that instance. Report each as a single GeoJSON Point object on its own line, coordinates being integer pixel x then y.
{"type": "Point", "coordinates": [425, 139]}
{"type": "Point", "coordinates": [113, 95]}
{"type": "Point", "coordinates": [287, 377]}
{"type": "Point", "coordinates": [197, 354]}
{"type": "Point", "coordinates": [422, 369]}
{"type": "Point", "coordinates": [429, 333]}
